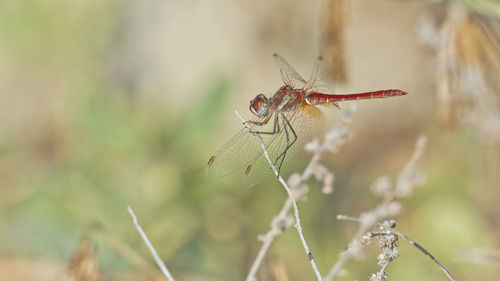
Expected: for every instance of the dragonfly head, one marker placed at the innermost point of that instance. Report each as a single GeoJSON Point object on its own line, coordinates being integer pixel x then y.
{"type": "Point", "coordinates": [260, 105]}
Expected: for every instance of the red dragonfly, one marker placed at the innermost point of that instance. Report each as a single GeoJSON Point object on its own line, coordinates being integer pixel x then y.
{"type": "Point", "coordinates": [286, 119]}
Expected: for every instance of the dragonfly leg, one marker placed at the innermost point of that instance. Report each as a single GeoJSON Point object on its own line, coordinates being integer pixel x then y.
{"type": "Point", "coordinates": [288, 142]}
{"type": "Point", "coordinates": [276, 126]}
{"type": "Point", "coordinates": [283, 154]}
{"type": "Point", "coordinates": [264, 122]}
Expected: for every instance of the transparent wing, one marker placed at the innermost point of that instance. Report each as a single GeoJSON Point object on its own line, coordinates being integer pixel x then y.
{"type": "Point", "coordinates": [288, 74]}
{"type": "Point", "coordinates": [322, 79]}
{"type": "Point", "coordinates": [306, 122]}
{"type": "Point", "coordinates": [241, 150]}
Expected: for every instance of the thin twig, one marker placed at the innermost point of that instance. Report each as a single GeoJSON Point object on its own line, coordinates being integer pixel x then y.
{"type": "Point", "coordinates": [290, 195]}
{"type": "Point", "coordinates": [393, 232]}
{"type": "Point", "coordinates": [446, 63]}
{"type": "Point", "coordinates": [406, 182]}
{"type": "Point", "coordinates": [277, 226]}
{"type": "Point", "coordinates": [355, 247]}
{"type": "Point", "coordinates": [381, 275]}
{"type": "Point", "coordinates": [347, 218]}
{"type": "Point", "coordinates": [448, 274]}
{"type": "Point", "coordinates": [337, 136]}
{"type": "Point", "coordinates": [382, 270]}
{"type": "Point", "coordinates": [150, 246]}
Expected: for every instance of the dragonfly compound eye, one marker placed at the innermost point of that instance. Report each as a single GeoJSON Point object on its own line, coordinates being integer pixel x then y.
{"type": "Point", "coordinates": [259, 105]}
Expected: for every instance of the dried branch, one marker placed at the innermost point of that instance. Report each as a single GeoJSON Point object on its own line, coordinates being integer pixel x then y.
{"type": "Point", "coordinates": [150, 246]}
{"type": "Point", "coordinates": [388, 242]}
{"type": "Point", "coordinates": [448, 274]}
{"type": "Point", "coordinates": [337, 136]}
{"type": "Point", "coordinates": [280, 222]}
{"type": "Point", "coordinates": [366, 222]}
{"type": "Point", "coordinates": [446, 65]}
{"type": "Point", "coordinates": [253, 271]}
{"type": "Point", "coordinates": [407, 180]}
{"type": "Point", "coordinates": [465, 39]}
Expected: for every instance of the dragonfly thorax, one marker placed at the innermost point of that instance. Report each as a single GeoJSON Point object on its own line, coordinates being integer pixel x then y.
{"type": "Point", "coordinates": [260, 105]}
{"type": "Point", "coordinates": [286, 99]}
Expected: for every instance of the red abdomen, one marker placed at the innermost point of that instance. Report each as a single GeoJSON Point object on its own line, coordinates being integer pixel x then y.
{"type": "Point", "coordinates": [315, 98]}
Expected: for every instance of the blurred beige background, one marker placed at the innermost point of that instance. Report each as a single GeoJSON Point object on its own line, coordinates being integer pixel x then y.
{"type": "Point", "coordinates": [113, 103]}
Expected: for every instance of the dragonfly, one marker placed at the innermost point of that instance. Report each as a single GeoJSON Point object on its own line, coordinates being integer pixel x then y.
{"type": "Point", "coordinates": [285, 121]}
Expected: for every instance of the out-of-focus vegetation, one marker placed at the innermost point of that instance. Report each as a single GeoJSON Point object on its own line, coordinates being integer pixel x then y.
{"type": "Point", "coordinates": [106, 104]}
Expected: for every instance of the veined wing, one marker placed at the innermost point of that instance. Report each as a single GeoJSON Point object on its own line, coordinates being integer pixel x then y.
{"type": "Point", "coordinates": [241, 150]}
{"type": "Point", "coordinates": [321, 79]}
{"type": "Point", "coordinates": [306, 122]}
{"type": "Point", "coordinates": [288, 74]}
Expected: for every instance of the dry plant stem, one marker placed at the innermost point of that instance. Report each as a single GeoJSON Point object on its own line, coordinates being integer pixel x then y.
{"type": "Point", "coordinates": [332, 41]}
{"type": "Point", "coordinates": [294, 203]}
{"type": "Point", "coordinates": [335, 142]}
{"type": "Point", "coordinates": [401, 235]}
{"type": "Point", "coordinates": [382, 270]}
{"type": "Point", "coordinates": [448, 274]}
{"type": "Point", "coordinates": [268, 240]}
{"type": "Point", "coordinates": [144, 237]}
{"type": "Point", "coordinates": [123, 249]}
{"type": "Point", "coordinates": [346, 255]}
{"type": "Point", "coordinates": [445, 61]}
{"type": "Point", "coordinates": [407, 180]}
{"type": "Point", "coordinates": [366, 222]}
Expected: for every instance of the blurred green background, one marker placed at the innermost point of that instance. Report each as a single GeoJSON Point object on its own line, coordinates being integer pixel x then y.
{"type": "Point", "coordinates": [106, 104]}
